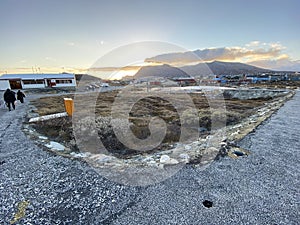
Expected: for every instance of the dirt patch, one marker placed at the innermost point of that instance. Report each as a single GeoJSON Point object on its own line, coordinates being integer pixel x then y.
{"type": "Point", "coordinates": [61, 130]}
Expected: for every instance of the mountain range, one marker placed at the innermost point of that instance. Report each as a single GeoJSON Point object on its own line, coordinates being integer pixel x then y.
{"type": "Point", "coordinates": [219, 68]}
{"type": "Point", "coordinates": [200, 69]}
{"type": "Point", "coordinates": [234, 54]}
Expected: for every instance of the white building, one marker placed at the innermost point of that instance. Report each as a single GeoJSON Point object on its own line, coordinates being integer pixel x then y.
{"type": "Point", "coordinates": [25, 81]}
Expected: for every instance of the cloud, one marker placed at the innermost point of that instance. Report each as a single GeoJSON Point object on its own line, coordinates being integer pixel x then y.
{"type": "Point", "coordinates": [253, 44]}
{"type": "Point", "coordinates": [108, 69]}
{"type": "Point", "coordinates": [266, 55]}
{"type": "Point", "coordinates": [251, 52]}
{"type": "Point", "coordinates": [284, 64]}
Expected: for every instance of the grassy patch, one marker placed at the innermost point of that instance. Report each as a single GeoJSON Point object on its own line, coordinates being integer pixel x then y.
{"type": "Point", "coordinates": [139, 117]}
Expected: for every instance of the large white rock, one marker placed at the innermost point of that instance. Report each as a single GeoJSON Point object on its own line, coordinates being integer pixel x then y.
{"type": "Point", "coordinates": [56, 146]}
{"type": "Point", "coordinates": [165, 159]}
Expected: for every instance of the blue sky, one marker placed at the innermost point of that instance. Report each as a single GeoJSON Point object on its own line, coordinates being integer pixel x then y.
{"type": "Point", "coordinates": [75, 33]}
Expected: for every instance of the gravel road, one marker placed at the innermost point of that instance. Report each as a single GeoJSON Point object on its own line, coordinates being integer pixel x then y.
{"type": "Point", "coordinates": [38, 187]}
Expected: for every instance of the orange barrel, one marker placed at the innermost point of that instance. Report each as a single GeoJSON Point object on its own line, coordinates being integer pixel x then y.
{"type": "Point", "coordinates": [69, 106]}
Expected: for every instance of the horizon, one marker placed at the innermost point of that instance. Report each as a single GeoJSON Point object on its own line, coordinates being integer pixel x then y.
{"type": "Point", "coordinates": [80, 33]}
{"type": "Point", "coordinates": [117, 73]}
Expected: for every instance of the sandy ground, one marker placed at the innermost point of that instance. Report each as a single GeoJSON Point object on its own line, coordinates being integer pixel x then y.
{"type": "Point", "coordinates": [38, 187]}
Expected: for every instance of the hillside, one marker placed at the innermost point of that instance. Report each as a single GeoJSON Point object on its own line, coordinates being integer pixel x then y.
{"type": "Point", "coordinates": [218, 68]}
{"type": "Point", "coordinates": [202, 69]}
{"type": "Point", "coordinates": [164, 71]}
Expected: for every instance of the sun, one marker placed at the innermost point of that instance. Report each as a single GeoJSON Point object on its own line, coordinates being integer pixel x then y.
{"type": "Point", "coordinates": [130, 70]}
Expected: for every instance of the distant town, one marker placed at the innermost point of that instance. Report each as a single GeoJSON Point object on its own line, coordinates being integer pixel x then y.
{"type": "Point", "coordinates": [230, 79]}
{"type": "Point", "coordinates": [215, 73]}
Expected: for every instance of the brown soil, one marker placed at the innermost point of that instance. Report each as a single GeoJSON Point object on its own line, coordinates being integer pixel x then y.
{"type": "Point", "coordinates": [61, 129]}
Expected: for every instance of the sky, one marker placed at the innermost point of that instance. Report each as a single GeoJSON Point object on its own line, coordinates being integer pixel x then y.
{"type": "Point", "coordinates": [71, 35]}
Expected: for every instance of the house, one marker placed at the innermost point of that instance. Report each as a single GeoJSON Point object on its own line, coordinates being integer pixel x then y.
{"type": "Point", "coordinates": [259, 79]}
{"type": "Point", "coordinates": [185, 81]}
{"type": "Point", "coordinates": [26, 81]}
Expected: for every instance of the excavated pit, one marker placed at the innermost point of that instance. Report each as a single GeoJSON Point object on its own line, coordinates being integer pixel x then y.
{"type": "Point", "coordinates": [61, 130]}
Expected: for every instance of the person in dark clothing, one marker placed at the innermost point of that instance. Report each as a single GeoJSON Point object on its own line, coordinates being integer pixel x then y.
{"type": "Point", "coordinates": [20, 96]}
{"type": "Point", "coordinates": [10, 98]}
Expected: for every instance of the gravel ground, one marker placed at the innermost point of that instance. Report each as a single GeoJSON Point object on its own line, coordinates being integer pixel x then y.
{"type": "Point", "coordinates": [262, 188]}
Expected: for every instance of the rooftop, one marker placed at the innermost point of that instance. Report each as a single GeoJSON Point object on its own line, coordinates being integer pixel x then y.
{"type": "Point", "coordinates": [37, 76]}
